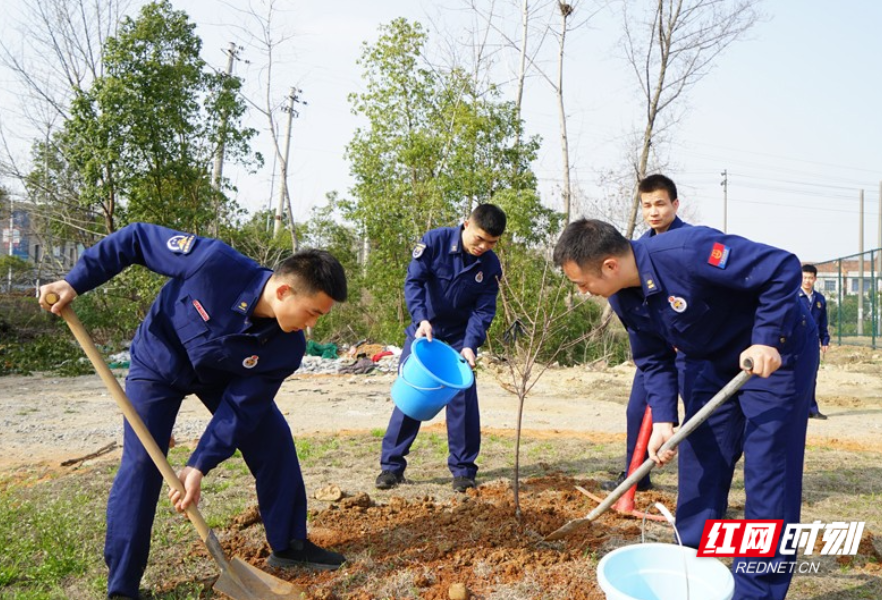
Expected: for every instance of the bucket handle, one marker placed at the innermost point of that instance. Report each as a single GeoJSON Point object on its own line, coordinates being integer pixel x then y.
{"type": "Point", "coordinates": [673, 523]}
{"type": "Point", "coordinates": [416, 387]}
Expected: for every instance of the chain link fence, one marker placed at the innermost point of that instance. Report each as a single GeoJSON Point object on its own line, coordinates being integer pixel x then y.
{"type": "Point", "coordinates": [853, 288]}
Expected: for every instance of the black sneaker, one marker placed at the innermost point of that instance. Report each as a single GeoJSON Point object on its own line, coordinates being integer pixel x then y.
{"type": "Point", "coordinates": [644, 485]}
{"type": "Point", "coordinates": [819, 416]}
{"type": "Point", "coordinates": [461, 484]}
{"type": "Point", "coordinates": [304, 553]}
{"type": "Point", "coordinates": [388, 480]}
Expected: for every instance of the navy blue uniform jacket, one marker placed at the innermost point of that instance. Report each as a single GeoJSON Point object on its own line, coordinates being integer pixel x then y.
{"type": "Point", "coordinates": [819, 313]}
{"type": "Point", "coordinates": [710, 295]}
{"type": "Point", "coordinates": [199, 334]}
{"type": "Point", "coordinates": [454, 291]}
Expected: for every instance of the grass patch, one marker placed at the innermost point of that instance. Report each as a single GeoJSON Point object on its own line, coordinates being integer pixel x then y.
{"type": "Point", "coordinates": [49, 537]}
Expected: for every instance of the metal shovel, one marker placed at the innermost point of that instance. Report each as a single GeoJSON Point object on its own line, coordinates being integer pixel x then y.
{"type": "Point", "coordinates": [639, 473]}
{"type": "Point", "coordinates": [238, 579]}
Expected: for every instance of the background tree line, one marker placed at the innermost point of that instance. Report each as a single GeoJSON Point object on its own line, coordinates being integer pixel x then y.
{"type": "Point", "coordinates": [140, 117]}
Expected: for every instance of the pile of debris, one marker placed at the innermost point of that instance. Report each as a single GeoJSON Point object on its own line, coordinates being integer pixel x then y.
{"type": "Point", "coordinates": [359, 358]}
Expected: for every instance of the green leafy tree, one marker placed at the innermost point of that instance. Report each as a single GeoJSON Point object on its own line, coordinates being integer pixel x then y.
{"type": "Point", "coordinates": [142, 136]}
{"type": "Point", "coordinates": [434, 147]}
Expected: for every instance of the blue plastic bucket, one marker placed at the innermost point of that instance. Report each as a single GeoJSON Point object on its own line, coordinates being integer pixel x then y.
{"type": "Point", "coordinates": [429, 378]}
{"type": "Point", "coordinates": [663, 572]}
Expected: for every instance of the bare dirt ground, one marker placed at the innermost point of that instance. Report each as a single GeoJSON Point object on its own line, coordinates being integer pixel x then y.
{"type": "Point", "coordinates": [420, 539]}
{"type": "Point", "coordinates": [51, 418]}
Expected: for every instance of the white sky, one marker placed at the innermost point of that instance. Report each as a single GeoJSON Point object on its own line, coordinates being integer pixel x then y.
{"type": "Point", "coordinates": [792, 112]}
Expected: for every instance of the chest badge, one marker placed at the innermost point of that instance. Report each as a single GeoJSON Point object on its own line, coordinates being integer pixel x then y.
{"type": "Point", "coordinates": [677, 303]}
{"type": "Point", "coordinates": [479, 277]}
{"type": "Point", "coordinates": [202, 312]}
{"type": "Point", "coordinates": [418, 250]}
{"type": "Point", "coordinates": [819, 304]}
{"type": "Point", "coordinates": [251, 361]}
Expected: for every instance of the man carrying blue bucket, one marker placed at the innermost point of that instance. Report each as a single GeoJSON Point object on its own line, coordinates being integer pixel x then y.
{"type": "Point", "coordinates": [451, 288]}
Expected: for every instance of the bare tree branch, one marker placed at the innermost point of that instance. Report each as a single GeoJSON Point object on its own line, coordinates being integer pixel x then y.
{"type": "Point", "coordinates": [670, 49]}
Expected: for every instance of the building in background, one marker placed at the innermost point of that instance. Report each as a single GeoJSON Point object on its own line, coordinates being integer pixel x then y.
{"type": "Point", "coordinates": [33, 253]}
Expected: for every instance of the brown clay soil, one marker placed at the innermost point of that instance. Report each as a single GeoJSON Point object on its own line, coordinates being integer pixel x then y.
{"type": "Point", "coordinates": [472, 539]}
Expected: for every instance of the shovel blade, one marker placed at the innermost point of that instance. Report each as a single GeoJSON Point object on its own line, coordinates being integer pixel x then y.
{"type": "Point", "coordinates": [246, 582]}
{"type": "Point", "coordinates": [567, 528]}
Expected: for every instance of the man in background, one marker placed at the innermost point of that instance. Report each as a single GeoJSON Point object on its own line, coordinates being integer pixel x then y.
{"type": "Point", "coordinates": [818, 305]}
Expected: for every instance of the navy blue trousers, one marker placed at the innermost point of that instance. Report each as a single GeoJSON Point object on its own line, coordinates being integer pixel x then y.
{"type": "Point", "coordinates": [463, 430]}
{"type": "Point", "coordinates": [268, 451]}
{"type": "Point", "coordinates": [687, 371]}
{"type": "Point", "coordinates": [814, 409]}
{"type": "Point", "coordinates": [766, 423]}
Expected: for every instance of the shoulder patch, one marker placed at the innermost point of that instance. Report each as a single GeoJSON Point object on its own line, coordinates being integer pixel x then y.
{"type": "Point", "coordinates": [180, 244]}
{"type": "Point", "coordinates": [418, 250]}
{"type": "Point", "coordinates": [719, 256]}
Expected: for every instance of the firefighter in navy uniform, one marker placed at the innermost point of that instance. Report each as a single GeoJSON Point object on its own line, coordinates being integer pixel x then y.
{"type": "Point", "coordinates": [720, 299]}
{"type": "Point", "coordinates": [659, 204]}
{"type": "Point", "coordinates": [230, 332]}
{"type": "Point", "coordinates": [818, 305]}
{"type": "Point", "coordinates": [451, 289]}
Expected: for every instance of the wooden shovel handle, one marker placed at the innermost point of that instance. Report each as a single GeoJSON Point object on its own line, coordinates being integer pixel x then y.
{"type": "Point", "coordinates": [134, 419]}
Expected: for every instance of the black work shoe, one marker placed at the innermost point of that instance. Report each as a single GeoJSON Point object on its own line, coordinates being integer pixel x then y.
{"type": "Point", "coordinates": [388, 480]}
{"type": "Point", "coordinates": [817, 415]}
{"type": "Point", "coordinates": [461, 484]}
{"type": "Point", "coordinates": [642, 486]}
{"type": "Point", "coordinates": [304, 553]}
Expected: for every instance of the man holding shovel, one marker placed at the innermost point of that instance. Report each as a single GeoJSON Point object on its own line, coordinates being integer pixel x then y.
{"type": "Point", "coordinates": [230, 332]}
{"type": "Point", "coordinates": [721, 299]}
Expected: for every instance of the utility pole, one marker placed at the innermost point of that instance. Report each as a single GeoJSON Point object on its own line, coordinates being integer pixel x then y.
{"type": "Point", "coordinates": [283, 167]}
{"type": "Point", "coordinates": [232, 56]}
{"type": "Point", "coordinates": [725, 184]}
{"type": "Point", "coordinates": [860, 323]}
{"type": "Point", "coordinates": [11, 239]}
{"type": "Point", "coordinates": [879, 235]}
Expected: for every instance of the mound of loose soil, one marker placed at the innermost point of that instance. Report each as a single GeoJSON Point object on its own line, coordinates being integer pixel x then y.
{"type": "Point", "coordinates": [421, 547]}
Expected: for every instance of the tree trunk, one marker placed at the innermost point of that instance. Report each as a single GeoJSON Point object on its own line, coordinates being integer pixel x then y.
{"type": "Point", "coordinates": [565, 11]}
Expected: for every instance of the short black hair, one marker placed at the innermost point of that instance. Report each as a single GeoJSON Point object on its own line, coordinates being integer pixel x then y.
{"type": "Point", "coordinates": [588, 242]}
{"type": "Point", "coordinates": [315, 271]}
{"type": "Point", "coordinates": [807, 268]}
{"type": "Point", "coordinates": [490, 218]}
{"type": "Point", "coordinates": [652, 183]}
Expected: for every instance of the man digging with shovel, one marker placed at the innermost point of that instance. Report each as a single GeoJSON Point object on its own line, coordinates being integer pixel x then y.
{"type": "Point", "coordinates": [230, 332]}
{"type": "Point", "coordinates": [724, 300]}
